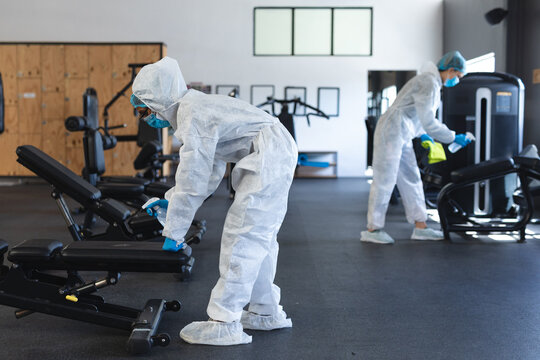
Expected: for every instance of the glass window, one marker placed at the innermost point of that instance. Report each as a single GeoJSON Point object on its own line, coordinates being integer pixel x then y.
{"type": "Point", "coordinates": [484, 63]}
{"type": "Point", "coordinates": [273, 31]}
{"type": "Point", "coordinates": [312, 31]}
{"type": "Point", "coordinates": [352, 31]}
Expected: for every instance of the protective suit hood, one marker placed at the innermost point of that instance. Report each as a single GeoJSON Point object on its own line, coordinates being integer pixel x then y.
{"type": "Point", "coordinates": [160, 86]}
{"type": "Point", "coordinates": [431, 68]}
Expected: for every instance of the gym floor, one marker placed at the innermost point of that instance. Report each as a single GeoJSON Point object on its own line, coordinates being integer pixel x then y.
{"type": "Point", "coordinates": [469, 299]}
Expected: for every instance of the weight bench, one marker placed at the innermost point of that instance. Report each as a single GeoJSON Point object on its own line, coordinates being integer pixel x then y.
{"type": "Point", "coordinates": [455, 219]}
{"type": "Point", "coordinates": [28, 287]}
{"type": "Point", "coordinates": [123, 222]}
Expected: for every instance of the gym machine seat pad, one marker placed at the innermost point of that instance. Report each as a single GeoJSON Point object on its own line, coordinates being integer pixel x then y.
{"type": "Point", "coordinates": [98, 255]}
{"type": "Point", "coordinates": [479, 171]}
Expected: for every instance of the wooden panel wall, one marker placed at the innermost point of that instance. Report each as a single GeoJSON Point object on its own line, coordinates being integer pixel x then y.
{"type": "Point", "coordinates": [44, 84]}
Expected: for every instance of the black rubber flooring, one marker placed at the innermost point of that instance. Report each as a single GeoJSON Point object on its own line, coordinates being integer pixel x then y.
{"type": "Point", "coordinates": [348, 300]}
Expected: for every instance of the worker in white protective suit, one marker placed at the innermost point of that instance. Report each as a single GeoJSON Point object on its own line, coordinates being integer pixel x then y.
{"type": "Point", "coordinates": [394, 162]}
{"type": "Point", "coordinates": [214, 130]}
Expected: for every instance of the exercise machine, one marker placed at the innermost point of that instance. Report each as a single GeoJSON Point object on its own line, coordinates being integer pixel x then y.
{"type": "Point", "coordinates": [125, 188]}
{"type": "Point", "coordinates": [491, 107]}
{"type": "Point", "coordinates": [286, 116]}
{"type": "Point", "coordinates": [123, 223]}
{"type": "Point", "coordinates": [455, 213]}
{"type": "Point", "coordinates": [29, 286]}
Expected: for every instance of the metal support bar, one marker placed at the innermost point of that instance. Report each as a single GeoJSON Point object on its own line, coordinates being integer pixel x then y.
{"type": "Point", "coordinates": [64, 210]}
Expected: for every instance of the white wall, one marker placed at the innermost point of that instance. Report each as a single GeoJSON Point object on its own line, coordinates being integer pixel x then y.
{"type": "Point", "coordinates": [213, 41]}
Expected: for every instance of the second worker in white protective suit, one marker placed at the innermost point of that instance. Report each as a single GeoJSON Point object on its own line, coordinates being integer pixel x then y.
{"type": "Point", "coordinates": [394, 162]}
{"type": "Point", "coordinates": [214, 130]}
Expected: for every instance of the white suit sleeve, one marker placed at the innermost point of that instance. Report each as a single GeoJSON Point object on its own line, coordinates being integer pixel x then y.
{"type": "Point", "coordinates": [197, 176]}
{"type": "Point", "coordinates": [424, 102]}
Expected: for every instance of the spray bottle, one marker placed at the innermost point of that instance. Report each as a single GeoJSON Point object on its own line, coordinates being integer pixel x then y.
{"type": "Point", "coordinates": [454, 147]}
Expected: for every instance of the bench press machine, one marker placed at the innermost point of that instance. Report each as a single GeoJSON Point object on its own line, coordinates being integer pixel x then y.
{"type": "Point", "coordinates": [123, 223]}
{"type": "Point", "coordinates": [455, 217]}
{"type": "Point", "coordinates": [29, 286]}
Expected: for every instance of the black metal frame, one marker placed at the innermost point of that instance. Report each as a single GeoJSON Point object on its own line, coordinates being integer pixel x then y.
{"type": "Point", "coordinates": [30, 290]}
{"type": "Point", "coordinates": [332, 8]}
{"type": "Point", "coordinates": [296, 102]}
{"type": "Point", "coordinates": [319, 98]}
{"type": "Point", "coordinates": [137, 226]}
{"type": "Point", "coordinates": [261, 86]}
{"type": "Point", "coordinates": [448, 208]}
{"type": "Point", "coordinates": [301, 102]}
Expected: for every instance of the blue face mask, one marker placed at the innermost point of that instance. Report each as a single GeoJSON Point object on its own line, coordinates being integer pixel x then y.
{"type": "Point", "coordinates": [452, 82]}
{"type": "Point", "coordinates": [154, 122]}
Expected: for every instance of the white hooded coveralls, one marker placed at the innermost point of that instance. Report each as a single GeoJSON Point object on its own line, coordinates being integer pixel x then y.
{"type": "Point", "coordinates": [214, 130]}
{"type": "Point", "coordinates": [394, 162]}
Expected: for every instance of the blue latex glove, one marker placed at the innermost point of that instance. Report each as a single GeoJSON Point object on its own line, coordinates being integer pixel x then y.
{"type": "Point", "coordinates": [162, 203]}
{"type": "Point", "coordinates": [462, 140]}
{"type": "Point", "coordinates": [173, 245]}
{"type": "Point", "coordinates": [426, 137]}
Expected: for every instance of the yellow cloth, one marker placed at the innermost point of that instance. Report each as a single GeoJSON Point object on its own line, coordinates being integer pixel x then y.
{"type": "Point", "coordinates": [436, 151]}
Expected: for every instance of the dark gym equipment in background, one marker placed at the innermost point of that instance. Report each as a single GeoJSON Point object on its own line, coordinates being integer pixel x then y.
{"type": "Point", "coordinates": [490, 106]}
{"type": "Point", "coordinates": [455, 218]}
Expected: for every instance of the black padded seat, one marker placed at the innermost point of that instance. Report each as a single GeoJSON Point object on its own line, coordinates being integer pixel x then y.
{"type": "Point", "coordinates": [528, 162]}
{"type": "Point", "coordinates": [126, 180]}
{"type": "Point", "coordinates": [482, 170]}
{"type": "Point", "coordinates": [141, 222]}
{"type": "Point", "coordinates": [57, 174]}
{"type": "Point", "coordinates": [113, 189]}
{"type": "Point", "coordinates": [113, 210]}
{"type": "Point", "coordinates": [157, 189]}
{"type": "Point", "coordinates": [3, 247]}
{"type": "Point", "coordinates": [122, 256]}
{"type": "Point", "coordinates": [35, 250]}
{"type": "Point", "coordinates": [146, 155]}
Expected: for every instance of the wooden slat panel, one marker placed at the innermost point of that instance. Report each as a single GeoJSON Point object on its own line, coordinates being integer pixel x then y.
{"type": "Point", "coordinates": [52, 105]}
{"type": "Point", "coordinates": [100, 68]}
{"type": "Point", "coordinates": [75, 159]}
{"type": "Point", "coordinates": [11, 123]}
{"type": "Point", "coordinates": [53, 139]}
{"type": "Point", "coordinates": [29, 105]}
{"type": "Point", "coordinates": [122, 55]}
{"type": "Point", "coordinates": [109, 162]}
{"type": "Point", "coordinates": [148, 53]}
{"type": "Point", "coordinates": [28, 139]}
{"type": "Point", "coordinates": [9, 165]}
{"type": "Point", "coordinates": [76, 61]}
{"type": "Point", "coordinates": [120, 159]}
{"type": "Point", "coordinates": [73, 104]}
{"type": "Point", "coordinates": [122, 112]}
{"type": "Point", "coordinates": [74, 139]}
{"type": "Point", "coordinates": [52, 68]}
{"type": "Point", "coordinates": [124, 154]}
{"type": "Point", "coordinates": [8, 69]}
{"type": "Point", "coordinates": [28, 61]}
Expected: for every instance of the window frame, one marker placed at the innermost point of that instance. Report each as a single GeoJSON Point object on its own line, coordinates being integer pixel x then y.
{"type": "Point", "coordinates": [331, 8]}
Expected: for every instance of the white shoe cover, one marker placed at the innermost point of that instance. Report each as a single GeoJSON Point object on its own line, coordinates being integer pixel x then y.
{"type": "Point", "coordinates": [377, 236]}
{"type": "Point", "coordinates": [254, 321]}
{"type": "Point", "coordinates": [427, 234]}
{"type": "Point", "coordinates": [215, 333]}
